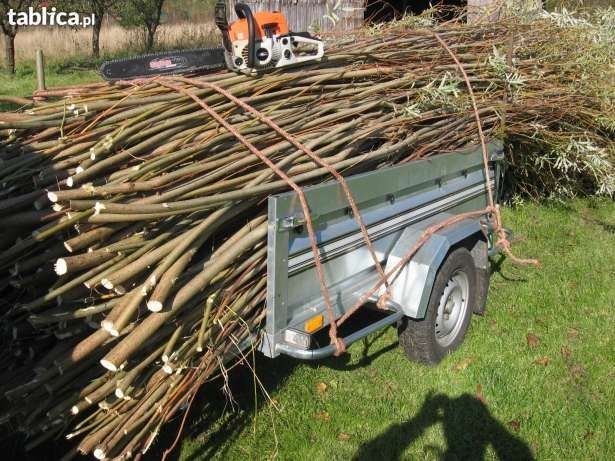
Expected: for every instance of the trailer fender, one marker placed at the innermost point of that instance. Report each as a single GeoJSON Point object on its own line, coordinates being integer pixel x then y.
{"type": "Point", "coordinates": [411, 289]}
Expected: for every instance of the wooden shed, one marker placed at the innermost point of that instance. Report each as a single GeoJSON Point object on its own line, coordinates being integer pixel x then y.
{"type": "Point", "coordinates": [339, 15]}
{"type": "Point", "coordinates": [312, 15]}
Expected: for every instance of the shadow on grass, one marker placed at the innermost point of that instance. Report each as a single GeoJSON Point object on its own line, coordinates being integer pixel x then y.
{"type": "Point", "coordinates": [469, 428]}
{"type": "Point", "coordinates": [496, 268]}
{"type": "Point", "coordinates": [608, 227]}
{"type": "Point", "coordinates": [587, 216]}
{"type": "Point", "coordinates": [214, 421]}
{"type": "Point", "coordinates": [343, 363]}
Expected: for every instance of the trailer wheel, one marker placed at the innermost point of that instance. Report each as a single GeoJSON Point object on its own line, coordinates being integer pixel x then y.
{"type": "Point", "coordinates": [449, 312]}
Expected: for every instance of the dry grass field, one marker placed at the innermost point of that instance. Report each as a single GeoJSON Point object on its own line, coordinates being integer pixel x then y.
{"type": "Point", "coordinates": [60, 43]}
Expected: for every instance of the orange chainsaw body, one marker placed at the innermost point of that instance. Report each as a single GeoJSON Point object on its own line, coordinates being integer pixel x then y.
{"type": "Point", "coordinates": [268, 23]}
{"type": "Point", "coordinates": [259, 41]}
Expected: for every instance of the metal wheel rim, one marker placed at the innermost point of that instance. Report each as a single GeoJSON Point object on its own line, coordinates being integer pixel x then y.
{"type": "Point", "coordinates": [452, 308]}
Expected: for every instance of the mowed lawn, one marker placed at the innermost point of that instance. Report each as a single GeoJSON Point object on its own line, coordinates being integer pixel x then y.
{"type": "Point", "coordinates": [533, 380]}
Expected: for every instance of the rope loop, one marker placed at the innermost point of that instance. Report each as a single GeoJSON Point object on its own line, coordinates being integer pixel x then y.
{"type": "Point", "coordinates": [340, 346]}
{"type": "Point", "coordinates": [383, 301]}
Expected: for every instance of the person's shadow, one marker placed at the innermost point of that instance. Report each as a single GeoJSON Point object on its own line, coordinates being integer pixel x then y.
{"type": "Point", "coordinates": [469, 428]}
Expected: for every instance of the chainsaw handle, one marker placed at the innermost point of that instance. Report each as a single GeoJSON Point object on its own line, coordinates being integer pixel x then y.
{"type": "Point", "coordinates": [222, 23]}
{"type": "Point", "coordinates": [305, 37]}
{"type": "Point", "coordinates": [243, 11]}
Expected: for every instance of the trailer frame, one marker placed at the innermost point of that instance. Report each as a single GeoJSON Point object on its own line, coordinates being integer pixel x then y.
{"type": "Point", "coordinates": [397, 204]}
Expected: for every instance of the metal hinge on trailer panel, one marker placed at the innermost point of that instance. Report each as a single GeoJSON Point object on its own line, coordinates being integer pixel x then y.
{"type": "Point", "coordinates": [497, 154]}
{"type": "Point", "coordinates": [291, 222]}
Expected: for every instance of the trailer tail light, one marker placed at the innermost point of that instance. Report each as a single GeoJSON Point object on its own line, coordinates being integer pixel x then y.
{"type": "Point", "coordinates": [314, 324]}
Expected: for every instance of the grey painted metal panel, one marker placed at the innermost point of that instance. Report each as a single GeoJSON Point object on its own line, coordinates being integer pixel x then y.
{"type": "Point", "coordinates": [277, 280]}
{"type": "Point", "coordinates": [432, 177]}
{"type": "Point", "coordinates": [411, 289]}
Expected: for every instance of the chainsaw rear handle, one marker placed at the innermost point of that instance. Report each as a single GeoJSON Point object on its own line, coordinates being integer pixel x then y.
{"type": "Point", "coordinates": [222, 23]}
{"type": "Point", "coordinates": [243, 11]}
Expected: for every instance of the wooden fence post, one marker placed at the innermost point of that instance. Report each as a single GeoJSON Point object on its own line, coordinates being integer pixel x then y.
{"type": "Point", "coordinates": [40, 70]}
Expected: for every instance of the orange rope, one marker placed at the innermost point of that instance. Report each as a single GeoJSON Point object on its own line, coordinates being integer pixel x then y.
{"type": "Point", "coordinates": [340, 347]}
{"type": "Point", "coordinates": [302, 147]}
{"type": "Point", "coordinates": [491, 209]}
{"type": "Point", "coordinates": [391, 274]}
{"type": "Point", "coordinates": [303, 201]}
{"type": "Point", "coordinates": [502, 239]}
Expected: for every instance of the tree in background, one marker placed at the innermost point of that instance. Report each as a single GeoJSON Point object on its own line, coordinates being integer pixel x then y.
{"type": "Point", "coordinates": [99, 8]}
{"type": "Point", "coordinates": [141, 13]}
{"type": "Point", "coordinates": [9, 30]}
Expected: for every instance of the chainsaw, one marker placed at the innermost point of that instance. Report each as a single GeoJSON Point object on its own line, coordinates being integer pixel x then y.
{"type": "Point", "coordinates": [254, 43]}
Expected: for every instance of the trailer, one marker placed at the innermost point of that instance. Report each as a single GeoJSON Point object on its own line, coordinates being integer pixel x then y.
{"type": "Point", "coordinates": [432, 298]}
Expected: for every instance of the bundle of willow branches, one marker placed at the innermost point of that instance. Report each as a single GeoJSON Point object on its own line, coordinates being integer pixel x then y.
{"type": "Point", "coordinates": [133, 237]}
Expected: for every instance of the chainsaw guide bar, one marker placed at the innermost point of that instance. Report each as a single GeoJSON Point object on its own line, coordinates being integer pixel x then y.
{"type": "Point", "coordinates": [164, 63]}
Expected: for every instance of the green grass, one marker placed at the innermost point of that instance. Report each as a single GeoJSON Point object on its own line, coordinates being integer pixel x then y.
{"type": "Point", "coordinates": [23, 83]}
{"type": "Point", "coordinates": [491, 399]}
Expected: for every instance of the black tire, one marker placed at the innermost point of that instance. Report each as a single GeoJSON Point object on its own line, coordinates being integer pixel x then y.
{"type": "Point", "coordinates": [418, 338]}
